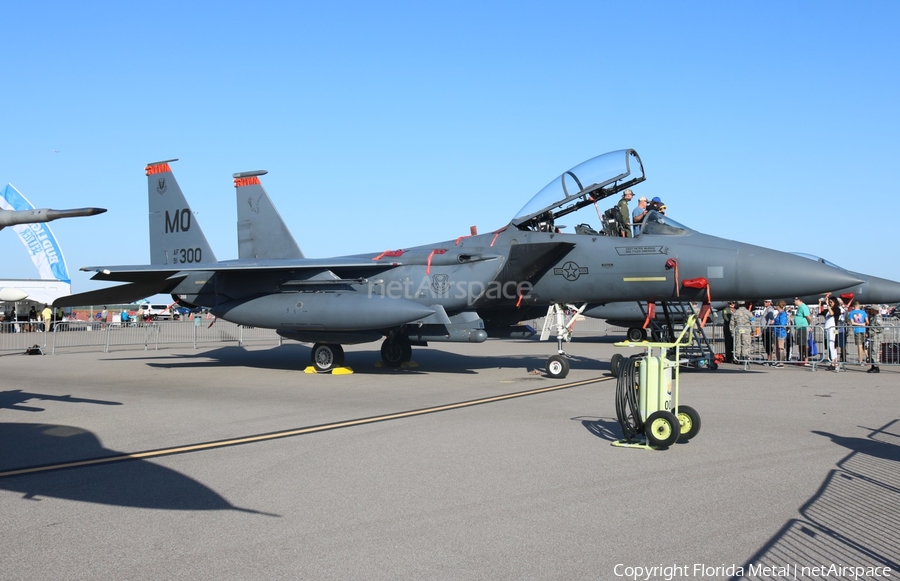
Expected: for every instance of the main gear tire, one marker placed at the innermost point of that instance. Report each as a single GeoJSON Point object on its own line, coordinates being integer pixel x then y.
{"type": "Point", "coordinates": [396, 352]}
{"type": "Point", "coordinates": [636, 334]}
{"type": "Point", "coordinates": [326, 356]}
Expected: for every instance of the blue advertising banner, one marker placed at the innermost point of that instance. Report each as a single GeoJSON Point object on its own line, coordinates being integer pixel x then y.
{"type": "Point", "coordinates": [38, 239]}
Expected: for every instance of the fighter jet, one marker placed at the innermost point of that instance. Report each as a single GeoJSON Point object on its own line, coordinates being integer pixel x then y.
{"type": "Point", "coordinates": [14, 217]}
{"type": "Point", "coordinates": [456, 290]}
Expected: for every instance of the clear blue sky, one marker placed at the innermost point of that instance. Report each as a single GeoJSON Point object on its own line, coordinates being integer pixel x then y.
{"type": "Point", "coordinates": [393, 124]}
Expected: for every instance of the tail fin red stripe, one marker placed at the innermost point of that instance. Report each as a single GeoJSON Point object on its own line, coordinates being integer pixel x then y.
{"type": "Point", "coordinates": [158, 168]}
{"type": "Point", "coordinates": [250, 181]}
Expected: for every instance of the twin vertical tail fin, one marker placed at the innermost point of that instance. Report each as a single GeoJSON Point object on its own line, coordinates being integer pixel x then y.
{"type": "Point", "coordinates": [262, 233]}
{"type": "Point", "coordinates": [175, 234]}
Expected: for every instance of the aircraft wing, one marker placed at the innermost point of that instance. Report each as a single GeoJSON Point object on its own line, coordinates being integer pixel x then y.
{"type": "Point", "coordinates": [147, 272]}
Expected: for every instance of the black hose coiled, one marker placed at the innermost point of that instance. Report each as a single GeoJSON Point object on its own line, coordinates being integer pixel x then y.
{"type": "Point", "coordinates": [627, 410]}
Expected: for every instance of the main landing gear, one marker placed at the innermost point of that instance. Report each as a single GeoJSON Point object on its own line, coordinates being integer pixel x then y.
{"type": "Point", "coordinates": [326, 356]}
{"type": "Point", "coordinates": [560, 319]}
{"type": "Point", "coordinates": [395, 351]}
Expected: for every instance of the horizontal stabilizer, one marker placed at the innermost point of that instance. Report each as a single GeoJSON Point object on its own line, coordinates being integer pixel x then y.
{"type": "Point", "coordinates": [126, 293]}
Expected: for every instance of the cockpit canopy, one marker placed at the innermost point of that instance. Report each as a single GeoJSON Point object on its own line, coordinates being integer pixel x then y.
{"type": "Point", "coordinates": [659, 224]}
{"type": "Point", "coordinates": [818, 259]}
{"type": "Point", "coordinates": [584, 184]}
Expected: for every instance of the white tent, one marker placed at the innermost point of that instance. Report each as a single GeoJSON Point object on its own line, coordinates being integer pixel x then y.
{"type": "Point", "coordinates": [39, 291]}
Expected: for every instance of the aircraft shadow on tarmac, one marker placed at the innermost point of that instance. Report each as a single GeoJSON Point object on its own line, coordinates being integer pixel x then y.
{"type": "Point", "coordinates": [14, 398]}
{"type": "Point", "coordinates": [851, 519]}
{"type": "Point", "coordinates": [132, 483]}
{"type": "Point", "coordinates": [296, 357]}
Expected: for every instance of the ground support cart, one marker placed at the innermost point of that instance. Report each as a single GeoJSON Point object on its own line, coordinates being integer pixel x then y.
{"type": "Point", "coordinates": [647, 404]}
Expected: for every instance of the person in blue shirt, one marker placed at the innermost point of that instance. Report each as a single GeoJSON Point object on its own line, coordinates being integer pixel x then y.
{"type": "Point", "coordinates": [780, 328]}
{"type": "Point", "coordinates": [859, 320]}
{"type": "Point", "coordinates": [637, 216]}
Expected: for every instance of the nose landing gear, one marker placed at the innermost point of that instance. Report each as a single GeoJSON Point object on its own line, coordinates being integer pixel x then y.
{"type": "Point", "coordinates": [561, 320]}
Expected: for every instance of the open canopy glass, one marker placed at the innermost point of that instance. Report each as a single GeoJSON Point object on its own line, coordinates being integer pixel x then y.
{"type": "Point", "coordinates": [586, 183]}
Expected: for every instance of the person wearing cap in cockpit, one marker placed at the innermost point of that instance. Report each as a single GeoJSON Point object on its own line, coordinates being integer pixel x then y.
{"type": "Point", "coordinates": [637, 216]}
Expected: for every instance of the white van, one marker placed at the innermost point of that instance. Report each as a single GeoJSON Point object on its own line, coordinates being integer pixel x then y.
{"type": "Point", "coordinates": [156, 312]}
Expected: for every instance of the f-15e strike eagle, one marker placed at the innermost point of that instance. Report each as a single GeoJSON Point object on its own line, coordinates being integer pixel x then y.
{"type": "Point", "coordinates": [462, 290]}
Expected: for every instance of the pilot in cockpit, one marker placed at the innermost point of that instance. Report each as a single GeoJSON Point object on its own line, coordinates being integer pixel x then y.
{"type": "Point", "coordinates": [545, 223]}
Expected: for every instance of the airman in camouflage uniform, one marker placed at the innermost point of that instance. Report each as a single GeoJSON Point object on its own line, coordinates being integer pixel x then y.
{"type": "Point", "coordinates": [875, 330]}
{"type": "Point", "coordinates": [625, 225]}
{"type": "Point", "coordinates": [741, 331]}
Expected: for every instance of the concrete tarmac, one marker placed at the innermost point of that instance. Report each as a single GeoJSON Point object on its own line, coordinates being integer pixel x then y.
{"type": "Point", "coordinates": [231, 463]}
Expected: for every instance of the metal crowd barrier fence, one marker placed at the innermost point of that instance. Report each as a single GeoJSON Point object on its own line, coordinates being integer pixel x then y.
{"type": "Point", "coordinates": [21, 336]}
{"type": "Point", "coordinates": [589, 325]}
{"type": "Point", "coordinates": [66, 335]}
{"type": "Point", "coordinates": [759, 344]}
{"type": "Point", "coordinates": [888, 350]}
{"type": "Point", "coordinates": [71, 335]}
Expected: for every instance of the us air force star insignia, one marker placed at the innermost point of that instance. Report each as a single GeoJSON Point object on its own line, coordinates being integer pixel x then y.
{"type": "Point", "coordinates": [161, 186]}
{"type": "Point", "coordinates": [570, 271]}
{"type": "Point", "coordinates": [440, 283]}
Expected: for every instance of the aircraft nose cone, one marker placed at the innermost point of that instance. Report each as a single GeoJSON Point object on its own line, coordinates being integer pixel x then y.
{"type": "Point", "coordinates": [880, 291]}
{"type": "Point", "coordinates": [765, 273]}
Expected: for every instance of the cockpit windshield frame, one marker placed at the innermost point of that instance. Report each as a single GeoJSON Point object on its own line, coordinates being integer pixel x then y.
{"type": "Point", "coordinates": [585, 184]}
{"type": "Point", "coordinates": [824, 261]}
{"type": "Point", "coordinates": [658, 224]}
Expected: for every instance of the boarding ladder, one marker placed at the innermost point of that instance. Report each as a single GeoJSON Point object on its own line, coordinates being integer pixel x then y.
{"type": "Point", "coordinates": [669, 322]}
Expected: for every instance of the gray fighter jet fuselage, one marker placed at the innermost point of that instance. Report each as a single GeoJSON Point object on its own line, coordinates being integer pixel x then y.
{"type": "Point", "coordinates": [457, 290]}
{"type": "Point", "coordinates": [870, 290]}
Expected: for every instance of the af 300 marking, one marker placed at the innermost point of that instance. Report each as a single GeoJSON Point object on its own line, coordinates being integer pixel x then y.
{"type": "Point", "coordinates": [187, 255]}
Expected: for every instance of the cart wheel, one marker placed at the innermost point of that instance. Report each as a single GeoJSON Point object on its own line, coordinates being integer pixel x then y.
{"type": "Point", "coordinates": [614, 362]}
{"type": "Point", "coordinates": [689, 420]}
{"type": "Point", "coordinates": [662, 429]}
{"type": "Point", "coordinates": [557, 366]}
